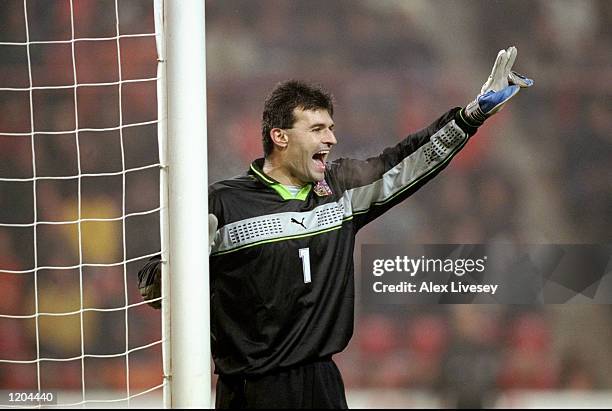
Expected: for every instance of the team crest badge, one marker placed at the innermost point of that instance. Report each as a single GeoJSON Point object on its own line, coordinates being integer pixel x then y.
{"type": "Point", "coordinates": [322, 189]}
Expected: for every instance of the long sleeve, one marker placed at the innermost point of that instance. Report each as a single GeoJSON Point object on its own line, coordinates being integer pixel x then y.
{"type": "Point", "coordinates": [375, 185]}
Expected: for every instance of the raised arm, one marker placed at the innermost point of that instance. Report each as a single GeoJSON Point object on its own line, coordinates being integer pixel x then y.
{"type": "Point", "coordinates": [374, 185]}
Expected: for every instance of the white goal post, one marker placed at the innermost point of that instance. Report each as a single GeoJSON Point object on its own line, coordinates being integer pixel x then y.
{"type": "Point", "coordinates": [183, 53]}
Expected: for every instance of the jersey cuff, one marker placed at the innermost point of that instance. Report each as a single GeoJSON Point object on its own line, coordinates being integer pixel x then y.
{"type": "Point", "coordinates": [463, 123]}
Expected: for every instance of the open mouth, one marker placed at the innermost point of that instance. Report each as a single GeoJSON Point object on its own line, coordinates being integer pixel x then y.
{"type": "Point", "coordinates": [319, 158]}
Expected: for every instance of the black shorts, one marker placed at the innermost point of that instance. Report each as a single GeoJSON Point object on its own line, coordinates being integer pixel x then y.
{"type": "Point", "coordinates": [313, 385]}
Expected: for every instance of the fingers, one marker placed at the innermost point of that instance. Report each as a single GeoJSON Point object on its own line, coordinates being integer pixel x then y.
{"type": "Point", "coordinates": [510, 57]}
{"type": "Point", "coordinates": [502, 74]}
{"type": "Point", "coordinates": [496, 78]}
{"type": "Point", "coordinates": [519, 80]}
{"type": "Point", "coordinates": [498, 67]}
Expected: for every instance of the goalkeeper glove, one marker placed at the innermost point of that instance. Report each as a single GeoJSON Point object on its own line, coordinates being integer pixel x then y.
{"type": "Point", "coordinates": [501, 86]}
{"type": "Point", "coordinates": [149, 281]}
{"type": "Point", "coordinates": [149, 276]}
{"type": "Point", "coordinates": [212, 230]}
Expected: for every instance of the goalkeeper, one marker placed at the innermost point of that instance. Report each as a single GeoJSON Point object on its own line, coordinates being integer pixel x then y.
{"type": "Point", "coordinates": [281, 264]}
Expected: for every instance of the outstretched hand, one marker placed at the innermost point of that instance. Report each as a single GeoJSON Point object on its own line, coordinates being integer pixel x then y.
{"type": "Point", "coordinates": [500, 87]}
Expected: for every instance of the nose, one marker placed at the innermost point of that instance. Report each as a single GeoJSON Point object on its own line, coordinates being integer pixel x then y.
{"type": "Point", "coordinates": [329, 138]}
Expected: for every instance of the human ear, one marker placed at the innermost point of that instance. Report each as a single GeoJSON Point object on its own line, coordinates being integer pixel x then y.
{"type": "Point", "coordinates": [279, 137]}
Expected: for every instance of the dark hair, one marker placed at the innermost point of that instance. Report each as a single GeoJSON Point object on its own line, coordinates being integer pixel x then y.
{"type": "Point", "coordinates": [286, 96]}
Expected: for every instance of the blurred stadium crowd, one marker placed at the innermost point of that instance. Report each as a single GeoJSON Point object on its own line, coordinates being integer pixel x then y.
{"type": "Point", "coordinates": [539, 172]}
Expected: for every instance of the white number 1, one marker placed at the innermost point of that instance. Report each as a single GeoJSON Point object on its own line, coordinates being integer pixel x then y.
{"type": "Point", "coordinates": [305, 256]}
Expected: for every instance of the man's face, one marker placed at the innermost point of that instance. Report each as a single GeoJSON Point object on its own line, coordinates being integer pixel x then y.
{"type": "Point", "coordinates": [309, 143]}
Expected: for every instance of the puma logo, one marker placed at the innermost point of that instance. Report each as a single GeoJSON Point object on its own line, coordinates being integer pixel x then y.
{"type": "Point", "coordinates": [293, 220]}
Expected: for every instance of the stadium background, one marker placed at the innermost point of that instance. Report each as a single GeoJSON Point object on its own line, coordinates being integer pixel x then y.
{"type": "Point", "coordinates": [539, 172]}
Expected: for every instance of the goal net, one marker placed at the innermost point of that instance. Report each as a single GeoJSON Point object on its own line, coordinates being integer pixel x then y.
{"type": "Point", "coordinates": [79, 201]}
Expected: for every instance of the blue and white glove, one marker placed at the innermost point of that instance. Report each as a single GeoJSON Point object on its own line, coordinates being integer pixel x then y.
{"type": "Point", "coordinates": [501, 86]}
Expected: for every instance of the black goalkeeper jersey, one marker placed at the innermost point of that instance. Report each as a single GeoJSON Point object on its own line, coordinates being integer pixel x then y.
{"type": "Point", "coordinates": [281, 269]}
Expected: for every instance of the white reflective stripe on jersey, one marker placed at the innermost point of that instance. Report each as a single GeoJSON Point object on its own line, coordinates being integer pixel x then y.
{"type": "Point", "coordinates": [283, 226]}
{"type": "Point", "coordinates": [427, 158]}
{"type": "Point", "coordinates": [279, 226]}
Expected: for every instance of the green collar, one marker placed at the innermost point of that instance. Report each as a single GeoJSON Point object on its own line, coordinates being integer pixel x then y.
{"type": "Point", "coordinates": [257, 171]}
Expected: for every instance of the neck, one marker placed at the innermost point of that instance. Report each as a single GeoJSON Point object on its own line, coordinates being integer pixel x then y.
{"type": "Point", "coordinates": [273, 167]}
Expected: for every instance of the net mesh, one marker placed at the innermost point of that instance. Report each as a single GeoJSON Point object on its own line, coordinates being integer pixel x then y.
{"type": "Point", "coordinates": [79, 199]}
